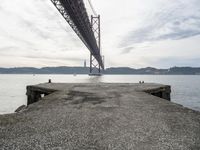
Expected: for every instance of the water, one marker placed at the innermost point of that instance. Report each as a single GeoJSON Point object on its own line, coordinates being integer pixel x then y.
{"type": "Point", "coordinates": [185, 89]}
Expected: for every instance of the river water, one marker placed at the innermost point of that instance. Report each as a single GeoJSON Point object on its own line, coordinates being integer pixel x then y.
{"type": "Point", "coordinates": [185, 89]}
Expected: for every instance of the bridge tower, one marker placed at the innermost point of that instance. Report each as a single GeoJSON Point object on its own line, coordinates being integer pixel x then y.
{"type": "Point", "coordinates": [95, 68]}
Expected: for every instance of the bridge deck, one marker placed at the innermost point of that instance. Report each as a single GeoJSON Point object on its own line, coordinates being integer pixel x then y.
{"type": "Point", "coordinates": [101, 116]}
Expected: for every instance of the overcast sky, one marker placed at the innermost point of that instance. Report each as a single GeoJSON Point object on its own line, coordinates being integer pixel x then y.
{"type": "Point", "coordinates": [135, 33]}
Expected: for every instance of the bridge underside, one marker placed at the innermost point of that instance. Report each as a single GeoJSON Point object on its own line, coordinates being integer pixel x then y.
{"type": "Point", "coordinates": [74, 12]}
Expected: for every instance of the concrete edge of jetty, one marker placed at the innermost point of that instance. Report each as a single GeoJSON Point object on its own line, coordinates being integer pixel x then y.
{"type": "Point", "coordinates": [37, 92]}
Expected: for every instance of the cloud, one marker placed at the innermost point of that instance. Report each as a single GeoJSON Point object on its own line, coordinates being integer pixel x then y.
{"type": "Point", "coordinates": [55, 58]}
{"type": "Point", "coordinates": [7, 48]}
{"type": "Point", "coordinates": [34, 33]}
{"type": "Point", "coordinates": [170, 23]}
{"type": "Point", "coordinates": [167, 62]}
{"type": "Point", "coordinates": [127, 50]}
{"type": "Point", "coordinates": [36, 25]}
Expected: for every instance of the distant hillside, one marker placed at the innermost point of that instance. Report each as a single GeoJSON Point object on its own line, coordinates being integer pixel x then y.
{"type": "Point", "coordinates": [117, 70]}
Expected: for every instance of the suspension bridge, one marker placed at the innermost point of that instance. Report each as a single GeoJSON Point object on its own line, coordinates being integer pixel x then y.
{"type": "Point", "coordinates": [87, 29]}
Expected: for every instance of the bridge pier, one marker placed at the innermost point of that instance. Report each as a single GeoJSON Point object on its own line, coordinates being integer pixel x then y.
{"type": "Point", "coordinates": [101, 116]}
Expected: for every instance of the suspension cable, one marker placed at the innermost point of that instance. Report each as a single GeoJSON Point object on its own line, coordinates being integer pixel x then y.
{"type": "Point", "coordinates": [93, 10]}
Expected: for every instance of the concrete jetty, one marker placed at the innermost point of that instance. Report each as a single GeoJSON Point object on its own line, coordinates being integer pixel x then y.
{"type": "Point", "coordinates": [101, 116]}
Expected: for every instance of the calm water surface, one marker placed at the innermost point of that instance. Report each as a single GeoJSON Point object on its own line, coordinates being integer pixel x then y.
{"type": "Point", "coordinates": [185, 89]}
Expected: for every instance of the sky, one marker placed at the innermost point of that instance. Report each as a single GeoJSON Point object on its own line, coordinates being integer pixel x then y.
{"type": "Point", "coordinates": [135, 33]}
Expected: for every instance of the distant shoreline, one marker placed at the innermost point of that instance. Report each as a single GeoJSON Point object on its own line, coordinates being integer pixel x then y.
{"type": "Point", "coordinates": [108, 71]}
{"type": "Point", "coordinates": [107, 74]}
